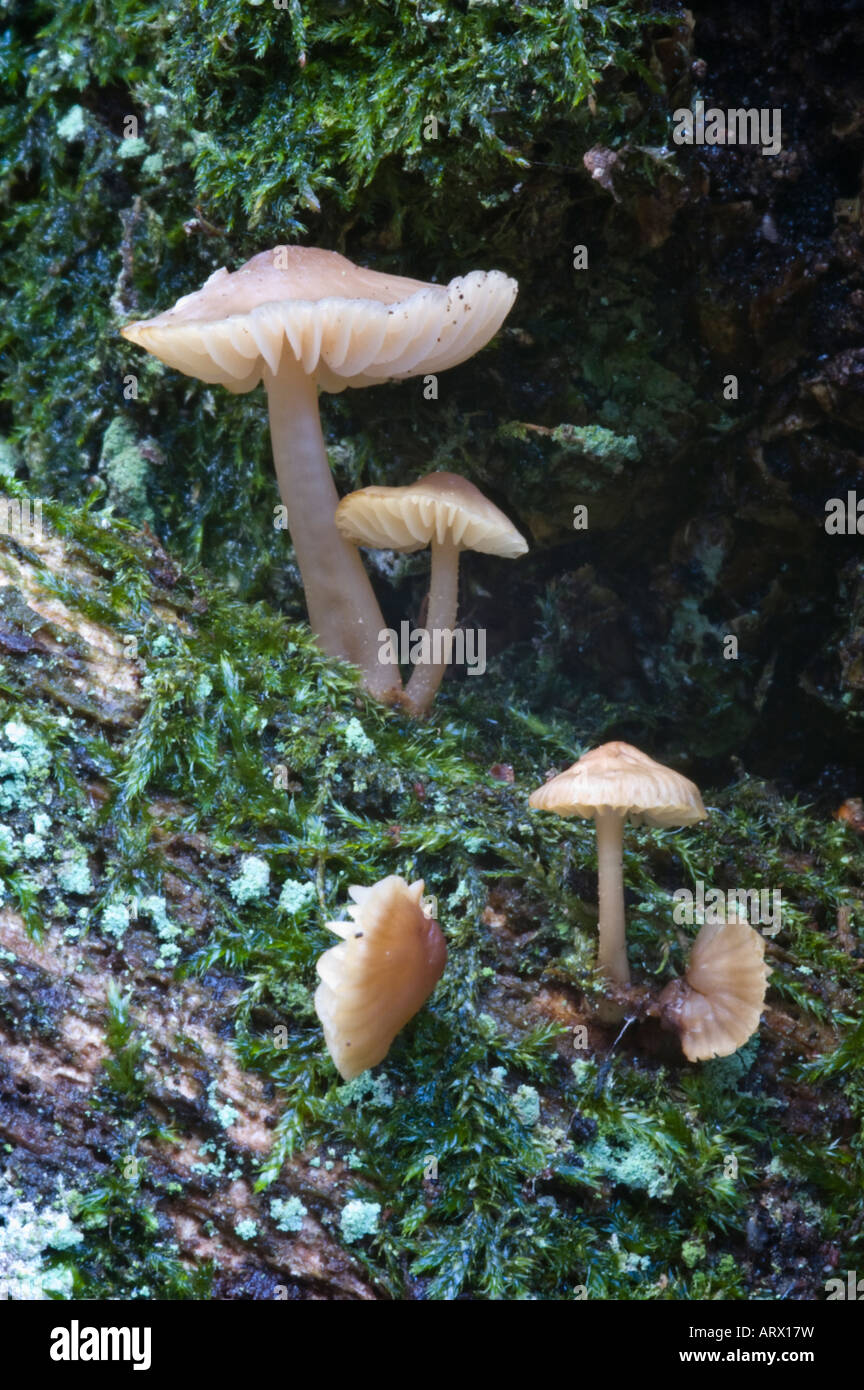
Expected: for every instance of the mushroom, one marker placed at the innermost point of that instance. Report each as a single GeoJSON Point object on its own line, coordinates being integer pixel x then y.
{"type": "Point", "coordinates": [391, 957]}
{"type": "Point", "coordinates": [612, 784]}
{"type": "Point", "coordinates": [298, 318]}
{"type": "Point", "coordinates": [446, 512]}
{"type": "Point", "coordinates": [716, 1007]}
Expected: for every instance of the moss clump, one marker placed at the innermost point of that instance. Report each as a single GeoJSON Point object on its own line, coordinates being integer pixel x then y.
{"type": "Point", "coordinates": [126, 470]}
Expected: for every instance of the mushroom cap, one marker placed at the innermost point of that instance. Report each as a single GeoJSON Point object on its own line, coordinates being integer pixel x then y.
{"type": "Point", "coordinates": [716, 1007]}
{"type": "Point", "coordinates": [618, 777]}
{"type": "Point", "coordinates": [440, 506]}
{"type": "Point", "coordinates": [345, 325]}
{"type": "Point", "coordinates": [392, 956]}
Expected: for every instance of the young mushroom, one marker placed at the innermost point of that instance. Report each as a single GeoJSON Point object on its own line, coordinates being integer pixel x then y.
{"type": "Point", "coordinates": [299, 318]}
{"type": "Point", "coordinates": [446, 512]}
{"type": "Point", "coordinates": [613, 784]}
{"type": "Point", "coordinates": [391, 957]}
{"type": "Point", "coordinates": [716, 1007]}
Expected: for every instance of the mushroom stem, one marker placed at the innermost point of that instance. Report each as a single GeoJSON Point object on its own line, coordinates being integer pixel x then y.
{"type": "Point", "coordinates": [612, 950]}
{"type": "Point", "coordinates": [440, 617]}
{"type": "Point", "coordinates": [343, 610]}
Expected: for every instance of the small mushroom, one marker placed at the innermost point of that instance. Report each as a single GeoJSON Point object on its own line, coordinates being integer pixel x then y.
{"type": "Point", "coordinates": [391, 957]}
{"type": "Point", "coordinates": [446, 512]}
{"type": "Point", "coordinates": [716, 1007]}
{"type": "Point", "coordinates": [613, 784]}
{"type": "Point", "coordinates": [298, 318]}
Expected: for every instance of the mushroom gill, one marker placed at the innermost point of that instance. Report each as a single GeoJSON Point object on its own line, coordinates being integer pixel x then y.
{"type": "Point", "coordinates": [716, 1007]}
{"type": "Point", "coordinates": [390, 959]}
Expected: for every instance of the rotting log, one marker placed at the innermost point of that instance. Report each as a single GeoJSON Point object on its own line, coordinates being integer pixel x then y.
{"type": "Point", "coordinates": [56, 991]}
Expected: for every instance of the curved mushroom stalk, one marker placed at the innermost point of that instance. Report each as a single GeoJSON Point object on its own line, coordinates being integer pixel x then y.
{"type": "Point", "coordinates": [441, 611]}
{"type": "Point", "coordinates": [449, 514]}
{"type": "Point", "coordinates": [612, 945]}
{"type": "Point", "coordinates": [298, 317]}
{"type": "Point", "coordinates": [343, 609]}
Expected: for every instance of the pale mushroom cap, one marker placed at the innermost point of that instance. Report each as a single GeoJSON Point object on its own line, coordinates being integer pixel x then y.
{"type": "Point", "coordinates": [723, 992]}
{"type": "Point", "coordinates": [441, 506]}
{"type": "Point", "coordinates": [392, 956]}
{"type": "Point", "coordinates": [345, 325]}
{"type": "Point", "coordinates": [618, 777]}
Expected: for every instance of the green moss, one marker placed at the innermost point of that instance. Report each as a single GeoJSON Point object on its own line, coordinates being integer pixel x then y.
{"type": "Point", "coordinates": [692, 1253]}
{"type": "Point", "coordinates": [480, 1202]}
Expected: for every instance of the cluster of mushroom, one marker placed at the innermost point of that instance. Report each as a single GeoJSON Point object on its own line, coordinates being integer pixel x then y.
{"type": "Point", "coordinates": [393, 952]}
{"type": "Point", "coordinates": [299, 319]}
{"type": "Point", "coordinates": [716, 1007]}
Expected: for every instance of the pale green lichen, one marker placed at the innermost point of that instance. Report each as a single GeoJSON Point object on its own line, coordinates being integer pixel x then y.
{"type": "Point", "coordinates": [295, 896]}
{"type": "Point", "coordinates": [133, 147]}
{"type": "Point", "coordinates": [71, 126]}
{"type": "Point", "coordinates": [359, 1219]}
{"type": "Point", "coordinates": [288, 1213]}
{"type": "Point", "coordinates": [372, 1090]}
{"type": "Point", "coordinates": [125, 467]}
{"type": "Point", "coordinates": [27, 1238]}
{"type": "Point", "coordinates": [634, 1164]}
{"type": "Point", "coordinates": [247, 1229]}
{"type": "Point", "coordinates": [253, 881]}
{"type": "Point", "coordinates": [24, 767]}
{"type": "Point", "coordinates": [526, 1103]}
{"type": "Point", "coordinates": [115, 921]}
{"type": "Point", "coordinates": [167, 931]}
{"type": "Point", "coordinates": [9, 850]}
{"type": "Point", "coordinates": [356, 738]}
{"type": "Point", "coordinates": [74, 877]}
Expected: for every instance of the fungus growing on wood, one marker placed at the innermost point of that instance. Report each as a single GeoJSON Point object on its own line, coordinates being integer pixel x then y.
{"type": "Point", "coordinates": [610, 785]}
{"type": "Point", "coordinates": [446, 512]}
{"type": "Point", "coordinates": [716, 1007]}
{"type": "Point", "coordinates": [391, 957]}
{"type": "Point", "coordinates": [299, 318]}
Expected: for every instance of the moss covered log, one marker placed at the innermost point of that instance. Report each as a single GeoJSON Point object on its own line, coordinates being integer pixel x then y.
{"type": "Point", "coordinates": [187, 789]}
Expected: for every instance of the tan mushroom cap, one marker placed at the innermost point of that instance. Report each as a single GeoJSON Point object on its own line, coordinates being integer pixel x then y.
{"type": "Point", "coordinates": [618, 777]}
{"type": "Point", "coordinates": [717, 1006]}
{"type": "Point", "coordinates": [440, 506]}
{"type": "Point", "coordinates": [392, 956]}
{"type": "Point", "coordinates": [346, 325]}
